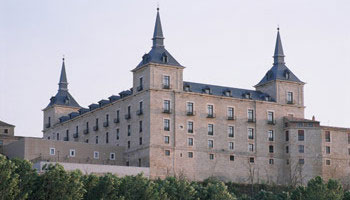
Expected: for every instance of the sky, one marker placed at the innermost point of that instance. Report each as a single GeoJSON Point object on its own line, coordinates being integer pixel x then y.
{"type": "Point", "coordinates": [225, 42]}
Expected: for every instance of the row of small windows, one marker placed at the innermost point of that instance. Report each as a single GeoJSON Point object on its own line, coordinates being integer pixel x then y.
{"type": "Point", "coordinates": [72, 154]}
{"type": "Point", "coordinates": [165, 84]}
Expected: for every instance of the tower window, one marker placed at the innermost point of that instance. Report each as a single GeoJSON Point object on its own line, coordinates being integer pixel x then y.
{"type": "Point", "coordinates": [164, 58]}
{"type": "Point", "coordinates": [290, 97]}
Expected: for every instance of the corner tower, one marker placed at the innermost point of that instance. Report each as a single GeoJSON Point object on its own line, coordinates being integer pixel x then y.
{"type": "Point", "coordinates": [280, 82]}
{"type": "Point", "coordinates": [61, 104]}
{"type": "Point", "coordinates": [158, 68]}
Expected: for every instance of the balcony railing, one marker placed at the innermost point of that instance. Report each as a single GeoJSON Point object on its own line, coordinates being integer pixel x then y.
{"type": "Point", "coordinates": [105, 124]}
{"type": "Point", "coordinates": [75, 135]}
{"type": "Point", "coordinates": [290, 102]}
{"type": "Point", "coordinates": [190, 130]}
{"type": "Point", "coordinates": [231, 117]}
{"type": "Point", "coordinates": [116, 120]}
{"type": "Point", "coordinates": [167, 111]}
{"type": "Point", "coordinates": [271, 122]}
{"type": "Point", "coordinates": [139, 88]}
{"type": "Point", "coordinates": [86, 131]}
{"type": "Point", "coordinates": [166, 86]}
{"type": "Point", "coordinates": [211, 115]}
{"type": "Point", "coordinates": [65, 139]}
{"type": "Point", "coordinates": [128, 116]}
{"type": "Point", "coordinates": [139, 112]}
{"type": "Point", "coordinates": [191, 113]}
{"type": "Point", "coordinates": [95, 128]}
{"type": "Point", "coordinates": [251, 120]}
{"type": "Point", "coordinates": [167, 128]}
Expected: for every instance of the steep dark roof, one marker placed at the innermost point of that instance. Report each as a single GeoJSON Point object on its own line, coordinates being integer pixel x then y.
{"type": "Point", "coordinates": [5, 124]}
{"type": "Point", "coordinates": [63, 97]}
{"type": "Point", "coordinates": [279, 70]}
{"type": "Point", "coordinates": [234, 92]}
{"type": "Point", "coordinates": [158, 53]}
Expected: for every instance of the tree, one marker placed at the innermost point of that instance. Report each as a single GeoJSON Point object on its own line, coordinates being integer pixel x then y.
{"type": "Point", "coordinates": [212, 189]}
{"type": "Point", "coordinates": [8, 180]}
{"type": "Point", "coordinates": [138, 188]}
{"type": "Point", "coordinates": [175, 189]}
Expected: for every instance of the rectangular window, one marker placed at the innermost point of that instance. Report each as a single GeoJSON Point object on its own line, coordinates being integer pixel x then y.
{"type": "Point", "coordinates": [167, 152]}
{"type": "Point", "coordinates": [190, 127]}
{"type": "Point", "coordinates": [301, 161]}
{"type": "Point", "coordinates": [328, 162]}
{"type": "Point", "coordinates": [230, 113]}
{"type": "Point", "coordinates": [140, 126]}
{"type": "Point", "coordinates": [96, 155]}
{"type": "Point", "coordinates": [52, 151]}
{"type": "Point", "coordinates": [190, 141]}
{"type": "Point", "coordinates": [328, 150]}
{"type": "Point", "coordinates": [231, 131]}
{"type": "Point", "coordinates": [140, 87]}
{"type": "Point", "coordinates": [232, 158]}
{"type": "Point", "coordinates": [301, 148]}
{"type": "Point", "coordinates": [210, 129]}
{"type": "Point", "coordinates": [140, 162]}
{"type": "Point", "coordinates": [231, 146]}
{"type": "Point", "coordinates": [67, 136]}
{"type": "Point", "coordinates": [271, 161]}
{"type": "Point", "coordinates": [251, 115]}
{"type": "Point", "coordinates": [189, 108]}
{"type": "Point", "coordinates": [271, 149]}
{"type": "Point", "coordinates": [251, 160]}
{"type": "Point", "coordinates": [211, 156]}
{"type": "Point", "coordinates": [290, 97]}
{"type": "Point", "coordinates": [210, 111]}
{"type": "Point", "coordinates": [107, 138]}
{"type": "Point", "coordinates": [166, 139]}
{"type": "Point", "coordinates": [117, 133]}
{"type": "Point", "coordinates": [270, 117]}
{"type": "Point", "coordinates": [140, 140]}
{"type": "Point", "coordinates": [251, 147]}
{"type": "Point", "coordinates": [271, 135]}
{"type": "Point", "coordinates": [129, 144]}
{"type": "Point", "coordinates": [287, 149]}
{"type": "Point", "coordinates": [118, 116]}
{"type": "Point", "coordinates": [287, 136]}
{"type": "Point", "coordinates": [72, 152]}
{"type": "Point", "coordinates": [166, 106]}
{"type": "Point", "coordinates": [166, 124]}
{"type": "Point", "coordinates": [96, 140]}
{"type": "Point", "coordinates": [129, 111]}
{"type": "Point", "coordinates": [250, 133]}
{"type": "Point", "coordinates": [112, 156]}
{"type": "Point", "coordinates": [211, 143]}
{"type": "Point", "coordinates": [328, 136]}
{"type": "Point", "coordinates": [166, 82]}
{"type": "Point", "coordinates": [57, 136]}
{"type": "Point", "coordinates": [190, 154]}
{"type": "Point", "coordinates": [300, 135]}
{"type": "Point", "coordinates": [140, 111]}
{"type": "Point", "coordinates": [129, 129]}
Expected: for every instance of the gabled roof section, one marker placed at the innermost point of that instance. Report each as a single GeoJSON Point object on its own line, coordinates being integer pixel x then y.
{"type": "Point", "coordinates": [5, 124]}
{"type": "Point", "coordinates": [63, 97]}
{"type": "Point", "coordinates": [224, 91]}
{"type": "Point", "coordinates": [279, 70]}
{"type": "Point", "coordinates": [158, 53]}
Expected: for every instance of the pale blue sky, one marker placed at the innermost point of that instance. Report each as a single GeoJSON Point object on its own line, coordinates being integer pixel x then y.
{"type": "Point", "coordinates": [226, 43]}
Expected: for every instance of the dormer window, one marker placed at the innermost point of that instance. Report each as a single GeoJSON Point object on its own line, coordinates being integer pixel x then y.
{"type": "Point", "coordinates": [145, 58]}
{"type": "Point", "coordinates": [227, 93]}
{"type": "Point", "coordinates": [247, 95]}
{"type": "Point", "coordinates": [206, 90]}
{"type": "Point", "coordinates": [52, 99]}
{"type": "Point", "coordinates": [164, 58]}
{"type": "Point", "coordinates": [66, 100]}
{"type": "Point", "coordinates": [187, 88]}
{"type": "Point", "coordinates": [287, 74]}
{"type": "Point", "coordinates": [267, 98]}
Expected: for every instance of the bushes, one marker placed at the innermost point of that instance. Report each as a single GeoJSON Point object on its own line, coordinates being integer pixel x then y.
{"type": "Point", "coordinates": [19, 181]}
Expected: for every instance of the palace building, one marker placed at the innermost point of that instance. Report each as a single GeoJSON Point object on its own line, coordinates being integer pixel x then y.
{"type": "Point", "coordinates": [197, 130]}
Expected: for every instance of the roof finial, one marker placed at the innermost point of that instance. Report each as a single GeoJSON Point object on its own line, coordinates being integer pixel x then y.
{"type": "Point", "coordinates": [278, 55]}
{"type": "Point", "coordinates": [157, 6]}
{"type": "Point", "coordinates": [278, 27]}
{"type": "Point", "coordinates": [158, 39]}
{"type": "Point", "coordinates": [63, 84]}
{"type": "Point", "coordinates": [63, 58]}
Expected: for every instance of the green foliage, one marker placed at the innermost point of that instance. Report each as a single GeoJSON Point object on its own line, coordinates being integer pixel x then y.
{"type": "Point", "coordinates": [8, 180]}
{"type": "Point", "coordinates": [213, 189]}
{"type": "Point", "coordinates": [346, 195]}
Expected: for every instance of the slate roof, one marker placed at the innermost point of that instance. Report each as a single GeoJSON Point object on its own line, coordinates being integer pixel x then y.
{"type": "Point", "coordinates": [234, 92]}
{"type": "Point", "coordinates": [63, 97]}
{"type": "Point", "coordinates": [279, 70]}
{"type": "Point", "coordinates": [5, 124]}
{"type": "Point", "coordinates": [158, 53]}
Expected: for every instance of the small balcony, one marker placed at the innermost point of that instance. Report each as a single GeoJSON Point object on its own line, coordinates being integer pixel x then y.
{"type": "Point", "coordinates": [191, 113]}
{"type": "Point", "coordinates": [290, 102]}
{"type": "Point", "coordinates": [116, 120]}
{"type": "Point", "coordinates": [75, 135]}
{"type": "Point", "coordinates": [48, 125]}
{"type": "Point", "coordinates": [211, 115]}
{"type": "Point", "coordinates": [65, 139]}
{"type": "Point", "coordinates": [139, 112]}
{"type": "Point", "coordinates": [166, 111]}
{"type": "Point", "coordinates": [251, 120]}
{"type": "Point", "coordinates": [128, 116]}
{"type": "Point", "coordinates": [139, 88]}
{"type": "Point", "coordinates": [166, 86]}
{"type": "Point", "coordinates": [105, 124]}
{"type": "Point", "coordinates": [95, 128]}
{"type": "Point", "coordinates": [190, 131]}
{"type": "Point", "coordinates": [86, 131]}
{"type": "Point", "coordinates": [231, 118]}
{"type": "Point", "coordinates": [166, 128]}
{"type": "Point", "coordinates": [271, 122]}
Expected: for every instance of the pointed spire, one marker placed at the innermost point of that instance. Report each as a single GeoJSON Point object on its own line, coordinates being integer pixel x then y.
{"type": "Point", "coordinates": [278, 55]}
{"type": "Point", "coordinates": [158, 39]}
{"type": "Point", "coordinates": [63, 84]}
